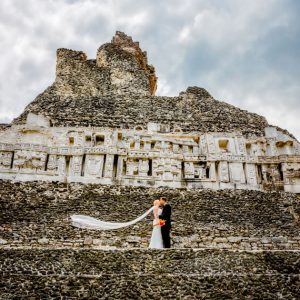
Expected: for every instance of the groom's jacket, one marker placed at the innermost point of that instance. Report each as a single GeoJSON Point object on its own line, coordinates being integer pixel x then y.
{"type": "Point", "coordinates": [166, 214]}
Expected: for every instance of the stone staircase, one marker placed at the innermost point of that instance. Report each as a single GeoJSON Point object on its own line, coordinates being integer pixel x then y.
{"type": "Point", "coordinates": [148, 274]}
{"type": "Point", "coordinates": [226, 244]}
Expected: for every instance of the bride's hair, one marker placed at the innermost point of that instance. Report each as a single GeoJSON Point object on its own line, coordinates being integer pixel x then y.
{"type": "Point", "coordinates": [155, 202]}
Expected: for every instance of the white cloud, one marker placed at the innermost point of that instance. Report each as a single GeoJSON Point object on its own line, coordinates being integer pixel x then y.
{"type": "Point", "coordinates": [242, 52]}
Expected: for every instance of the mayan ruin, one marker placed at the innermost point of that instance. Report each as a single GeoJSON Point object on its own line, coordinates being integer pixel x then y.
{"type": "Point", "coordinates": [98, 141]}
{"type": "Point", "coordinates": [100, 122]}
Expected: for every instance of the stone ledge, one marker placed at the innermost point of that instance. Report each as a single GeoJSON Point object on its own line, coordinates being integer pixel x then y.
{"type": "Point", "coordinates": [149, 274]}
{"type": "Point", "coordinates": [85, 261]}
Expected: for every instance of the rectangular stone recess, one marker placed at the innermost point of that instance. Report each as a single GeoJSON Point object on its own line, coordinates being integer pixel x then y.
{"type": "Point", "coordinates": [175, 274]}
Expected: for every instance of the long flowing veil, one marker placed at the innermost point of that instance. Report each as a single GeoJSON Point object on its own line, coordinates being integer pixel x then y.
{"type": "Point", "coordinates": [87, 222]}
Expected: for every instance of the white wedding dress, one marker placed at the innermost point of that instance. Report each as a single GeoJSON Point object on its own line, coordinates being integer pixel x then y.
{"type": "Point", "coordinates": [156, 241]}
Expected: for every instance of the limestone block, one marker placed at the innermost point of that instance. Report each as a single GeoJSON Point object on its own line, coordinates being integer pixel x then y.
{"type": "Point", "coordinates": [223, 171]}
{"type": "Point", "coordinates": [237, 174]}
{"type": "Point", "coordinates": [88, 240]}
{"type": "Point", "coordinates": [223, 246]}
{"type": "Point", "coordinates": [43, 241]}
{"type": "Point", "coordinates": [234, 239]}
{"type": "Point", "coordinates": [251, 176]}
{"type": "Point", "coordinates": [280, 239]}
{"type": "Point", "coordinates": [3, 242]}
{"type": "Point", "coordinates": [93, 165]}
{"type": "Point", "coordinates": [97, 242]}
{"type": "Point", "coordinates": [271, 132]}
{"type": "Point", "coordinates": [220, 240]}
{"type": "Point", "coordinates": [37, 120]}
{"type": "Point", "coordinates": [153, 127]}
{"type": "Point", "coordinates": [266, 240]}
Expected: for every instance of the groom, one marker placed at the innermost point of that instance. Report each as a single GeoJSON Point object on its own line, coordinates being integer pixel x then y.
{"type": "Point", "coordinates": [166, 215]}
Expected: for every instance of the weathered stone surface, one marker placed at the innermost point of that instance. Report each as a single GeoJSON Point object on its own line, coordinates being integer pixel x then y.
{"type": "Point", "coordinates": [43, 241]}
{"type": "Point", "coordinates": [100, 122]}
{"type": "Point", "coordinates": [190, 112]}
{"type": "Point", "coordinates": [152, 156]}
{"type": "Point", "coordinates": [88, 240]}
{"type": "Point", "coordinates": [3, 242]}
{"type": "Point", "coordinates": [148, 274]}
{"type": "Point", "coordinates": [202, 218]}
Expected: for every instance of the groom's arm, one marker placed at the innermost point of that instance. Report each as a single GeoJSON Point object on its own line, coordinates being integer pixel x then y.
{"type": "Point", "coordinates": [166, 213]}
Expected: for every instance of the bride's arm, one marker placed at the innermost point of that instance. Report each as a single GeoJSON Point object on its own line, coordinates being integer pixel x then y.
{"type": "Point", "coordinates": [155, 213]}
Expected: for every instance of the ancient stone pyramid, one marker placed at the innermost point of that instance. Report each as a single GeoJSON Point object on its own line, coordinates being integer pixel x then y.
{"type": "Point", "coordinates": [101, 122]}
{"type": "Point", "coordinates": [99, 142]}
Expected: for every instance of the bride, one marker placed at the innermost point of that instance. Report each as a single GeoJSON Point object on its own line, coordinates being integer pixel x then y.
{"type": "Point", "coordinates": [87, 222]}
{"type": "Point", "coordinates": [156, 238]}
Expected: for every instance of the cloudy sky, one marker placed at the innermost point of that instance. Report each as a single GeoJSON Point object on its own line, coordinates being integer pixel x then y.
{"type": "Point", "coordinates": [244, 52]}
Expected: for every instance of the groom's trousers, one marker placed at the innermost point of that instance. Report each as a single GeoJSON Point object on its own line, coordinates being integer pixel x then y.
{"type": "Point", "coordinates": [165, 232]}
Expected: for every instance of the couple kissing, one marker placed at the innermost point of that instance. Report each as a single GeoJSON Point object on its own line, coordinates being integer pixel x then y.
{"type": "Point", "coordinates": [160, 237]}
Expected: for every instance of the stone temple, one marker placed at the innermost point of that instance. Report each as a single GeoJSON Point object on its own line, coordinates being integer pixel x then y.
{"type": "Point", "coordinates": [99, 142]}
{"type": "Point", "coordinates": [100, 122]}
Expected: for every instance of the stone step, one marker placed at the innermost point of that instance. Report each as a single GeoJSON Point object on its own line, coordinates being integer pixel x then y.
{"type": "Point", "coordinates": [149, 274]}
{"type": "Point", "coordinates": [38, 213]}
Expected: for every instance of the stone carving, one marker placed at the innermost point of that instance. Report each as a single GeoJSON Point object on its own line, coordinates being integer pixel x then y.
{"type": "Point", "coordinates": [93, 166]}
{"type": "Point", "coordinates": [237, 174]}
{"type": "Point", "coordinates": [167, 169]}
{"type": "Point", "coordinates": [61, 165]}
{"type": "Point", "coordinates": [189, 171]}
{"type": "Point", "coordinates": [143, 167]}
{"type": "Point", "coordinates": [52, 163]}
{"type": "Point", "coordinates": [251, 174]}
{"type": "Point", "coordinates": [241, 145]}
{"type": "Point", "coordinates": [29, 160]}
{"type": "Point", "coordinates": [5, 160]}
{"type": "Point", "coordinates": [193, 170]}
{"type": "Point", "coordinates": [132, 166]}
{"type": "Point", "coordinates": [100, 155]}
{"type": "Point", "coordinates": [75, 166]}
{"type": "Point", "coordinates": [203, 145]}
{"type": "Point", "coordinates": [108, 167]}
{"type": "Point", "coordinates": [271, 173]}
{"type": "Point", "coordinates": [211, 144]}
{"type": "Point", "coordinates": [223, 171]}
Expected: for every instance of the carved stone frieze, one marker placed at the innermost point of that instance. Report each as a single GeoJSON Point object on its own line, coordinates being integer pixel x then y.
{"type": "Point", "coordinates": [5, 159]}
{"type": "Point", "coordinates": [140, 156]}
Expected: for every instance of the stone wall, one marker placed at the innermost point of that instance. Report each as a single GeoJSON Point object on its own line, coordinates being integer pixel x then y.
{"type": "Point", "coordinates": [37, 214]}
{"type": "Point", "coordinates": [78, 76]}
{"type": "Point", "coordinates": [146, 274]}
{"type": "Point", "coordinates": [190, 112]}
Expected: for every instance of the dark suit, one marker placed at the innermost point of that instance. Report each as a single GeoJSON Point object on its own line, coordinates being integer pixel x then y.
{"type": "Point", "coordinates": [165, 230]}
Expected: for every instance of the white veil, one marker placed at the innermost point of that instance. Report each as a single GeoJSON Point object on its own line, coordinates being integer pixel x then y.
{"type": "Point", "coordinates": [82, 221]}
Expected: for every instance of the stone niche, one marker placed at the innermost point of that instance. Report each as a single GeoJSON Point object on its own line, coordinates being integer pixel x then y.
{"type": "Point", "coordinates": [151, 156]}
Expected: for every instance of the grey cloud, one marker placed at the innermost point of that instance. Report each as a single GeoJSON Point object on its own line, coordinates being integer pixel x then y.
{"type": "Point", "coordinates": [243, 52]}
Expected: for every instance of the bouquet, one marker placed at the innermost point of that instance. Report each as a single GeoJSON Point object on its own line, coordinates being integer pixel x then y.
{"type": "Point", "coordinates": [162, 222]}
